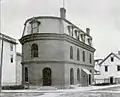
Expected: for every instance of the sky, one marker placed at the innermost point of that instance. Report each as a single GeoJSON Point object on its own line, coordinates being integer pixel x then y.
{"type": "Point", "coordinates": [101, 16]}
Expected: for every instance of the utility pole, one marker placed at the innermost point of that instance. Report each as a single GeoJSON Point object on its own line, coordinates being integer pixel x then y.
{"type": "Point", "coordinates": [1, 61]}
{"type": "Point", "coordinates": [1, 57]}
{"type": "Point", "coordinates": [63, 3]}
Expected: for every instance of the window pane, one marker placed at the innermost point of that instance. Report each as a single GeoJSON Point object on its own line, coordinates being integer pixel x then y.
{"type": "Point", "coordinates": [11, 59]}
{"type": "Point", "coordinates": [106, 68]}
{"type": "Point", "coordinates": [34, 25]}
{"type": "Point", "coordinates": [11, 46]}
{"type": "Point", "coordinates": [78, 54]}
{"type": "Point", "coordinates": [90, 59]}
{"type": "Point", "coordinates": [112, 59]}
{"type": "Point", "coordinates": [35, 30]}
{"type": "Point", "coordinates": [71, 52]}
{"type": "Point", "coordinates": [34, 50]}
{"type": "Point", "coordinates": [78, 75]}
{"type": "Point", "coordinates": [118, 68]}
{"type": "Point", "coordinates": [83, 56]}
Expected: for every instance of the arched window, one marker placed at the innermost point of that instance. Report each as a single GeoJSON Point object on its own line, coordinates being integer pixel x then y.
{"type": "Point", "coordinates": [78, 54]}
{"type": "Point", "coordinates": [34, 50]}
{"type": "Point", "coordinates": [78, 75]}
{"type": "Point", "coordinates": [71, 76]}
{"type": "Point", "coordinates": [26, 74]}
{"type": "Point", "coordinates": [83, 56]}
{"type": "Point", "coordinates": [90, 59]}
{"type": "Point", "coordinates": [71, 52]}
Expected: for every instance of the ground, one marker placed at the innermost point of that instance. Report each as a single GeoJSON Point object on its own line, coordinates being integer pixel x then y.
{"type": "Point", "coordinates": [91, 91]}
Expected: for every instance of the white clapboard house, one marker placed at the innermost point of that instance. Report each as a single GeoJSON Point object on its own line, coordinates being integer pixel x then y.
{"type": "Point", "coordinates": [11, 61]}
{"type": "Point", "coordinates": [108, 69]}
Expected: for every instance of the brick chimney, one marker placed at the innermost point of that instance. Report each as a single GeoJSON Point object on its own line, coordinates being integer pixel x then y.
{"type": "Point", "coordinates": [88, 31]}
{"type": "Point", "coordinates": [63, 13]}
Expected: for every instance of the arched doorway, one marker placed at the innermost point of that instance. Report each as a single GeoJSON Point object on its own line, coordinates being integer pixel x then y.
{"type": "Point", "coordinates": [89, 79]}
{"type": "Point", "coordinates": [26, 74]}
{"type": "Point", "coordinates": [71, 76]}
{"type": "Point", "coordinates": [47, 77]}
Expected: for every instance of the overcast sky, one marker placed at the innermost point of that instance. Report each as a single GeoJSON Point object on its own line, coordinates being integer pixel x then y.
{"type": "Point", "coordinates": [101, 16]}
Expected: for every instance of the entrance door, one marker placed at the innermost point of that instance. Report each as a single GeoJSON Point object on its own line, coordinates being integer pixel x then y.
{"type": "Point", "coordinates": [47, 77]}
{"type": "Point", "coordinates": [111, 80]}
{"type": "Point", "coordinates": [89, 79]}
{"type": "Point", "coordinates": [71, 76]}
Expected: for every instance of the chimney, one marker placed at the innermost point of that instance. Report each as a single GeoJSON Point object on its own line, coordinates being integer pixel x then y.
{"type": "Point", "coordinates": [118, 52]}
{"type": "Point", "coordinates": [63, 13]}
{"type": "Point", "coordinates": [88, 31]}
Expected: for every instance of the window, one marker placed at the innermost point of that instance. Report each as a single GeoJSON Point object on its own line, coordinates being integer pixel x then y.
{"type": "Point", "coordinates": [90, 71]}
{"type": "Point", "coordinates": [89, 41]}
{"type": "Point", "coordinates": [26, 74]}
{"type": "Point", "coordinates": [71, 76]}
{"type": "Point", "coordinates": [78, 75]}
{"type": "Point", "coordinates": [118, 68]}
{"type": "Point", "coordinates": [112, 59]}
{"type": "Point", "coordinates": [83, 37]}
{"type": "Point", "coordinates": [34, 50]}
{"type": "Point", "coordinates": [90, 60]}
{"type": "Point", "coordinates": [78, 54]}
{"type": "Point", "coordinates": [11, 46]}
{"type": "Point", "coordinates": [106, 68]}
{"type": "Point", "coordinates": [11, 59]}
{"type": "Point", "coordinates": [83, 56]}
{"type": "Point", "coordinates": [76, 35]}
{"type": "Point", "coordinates": [70, 30]}
{"type": "Point", "coordinates": [71, 52]}
{"type": "Point", "coordinates": [34, 26]}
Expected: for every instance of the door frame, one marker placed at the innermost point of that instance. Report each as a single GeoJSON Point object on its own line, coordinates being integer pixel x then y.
{"type": "Point", "coordinates": [111, 80]}
{"type": "Point", "coordinates": [47, 76]}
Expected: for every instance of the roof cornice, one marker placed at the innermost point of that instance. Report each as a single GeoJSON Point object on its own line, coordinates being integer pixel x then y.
{"type": "Point", "coordinates": [55, 36]}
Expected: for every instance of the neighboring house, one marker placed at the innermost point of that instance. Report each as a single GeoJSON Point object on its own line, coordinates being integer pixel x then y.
{"type": "Point", "coordinates": [97, 67]}
{"type": "Point", "coordinates": [56, 52]}
{"type": "Point", "coordinates": [18, 68]}
{"type": "Point", "coordinates": [109, 69]}
{"type": "Point", "coordinates": [9, 59]}
{"type": "Point", "coordinates": [97, 70]}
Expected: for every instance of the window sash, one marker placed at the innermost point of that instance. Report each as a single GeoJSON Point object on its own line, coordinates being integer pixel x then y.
{"type": "Point", "coordinates": [35, 27]}
{"type": "Point", "coordinates": [11, 46]}
{"type": "Point", "coordinates": [78, 54]}
{"type": "Point", "coordinates": [106, 68]}
{"type": "Point", "coordinates": [118, 68]}
{"type": "Point", "coordinates": [83, 56]}
{"type": "Point", "coordinates": [11, 59]}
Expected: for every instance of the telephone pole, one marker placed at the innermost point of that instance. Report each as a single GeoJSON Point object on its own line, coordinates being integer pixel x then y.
{"type": "Point", "coordinates": [63, 3]}
{"type": "Point", "coordinates": [1, 61]}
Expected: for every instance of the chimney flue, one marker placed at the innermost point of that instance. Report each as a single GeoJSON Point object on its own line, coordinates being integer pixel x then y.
{"type": "Point", "coordinates": [63, 13]}
{"type": "Point", "coordinates": [88, 31]}
{"type": "Point", "coordinates": [118, 52]}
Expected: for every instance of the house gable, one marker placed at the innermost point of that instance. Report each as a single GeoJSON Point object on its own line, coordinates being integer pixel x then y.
{"type": "Point", "coordinates": [109, 58]}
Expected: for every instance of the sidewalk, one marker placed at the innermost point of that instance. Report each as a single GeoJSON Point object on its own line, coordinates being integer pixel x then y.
{"type": "Point", "coordinates": [75, 89]}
